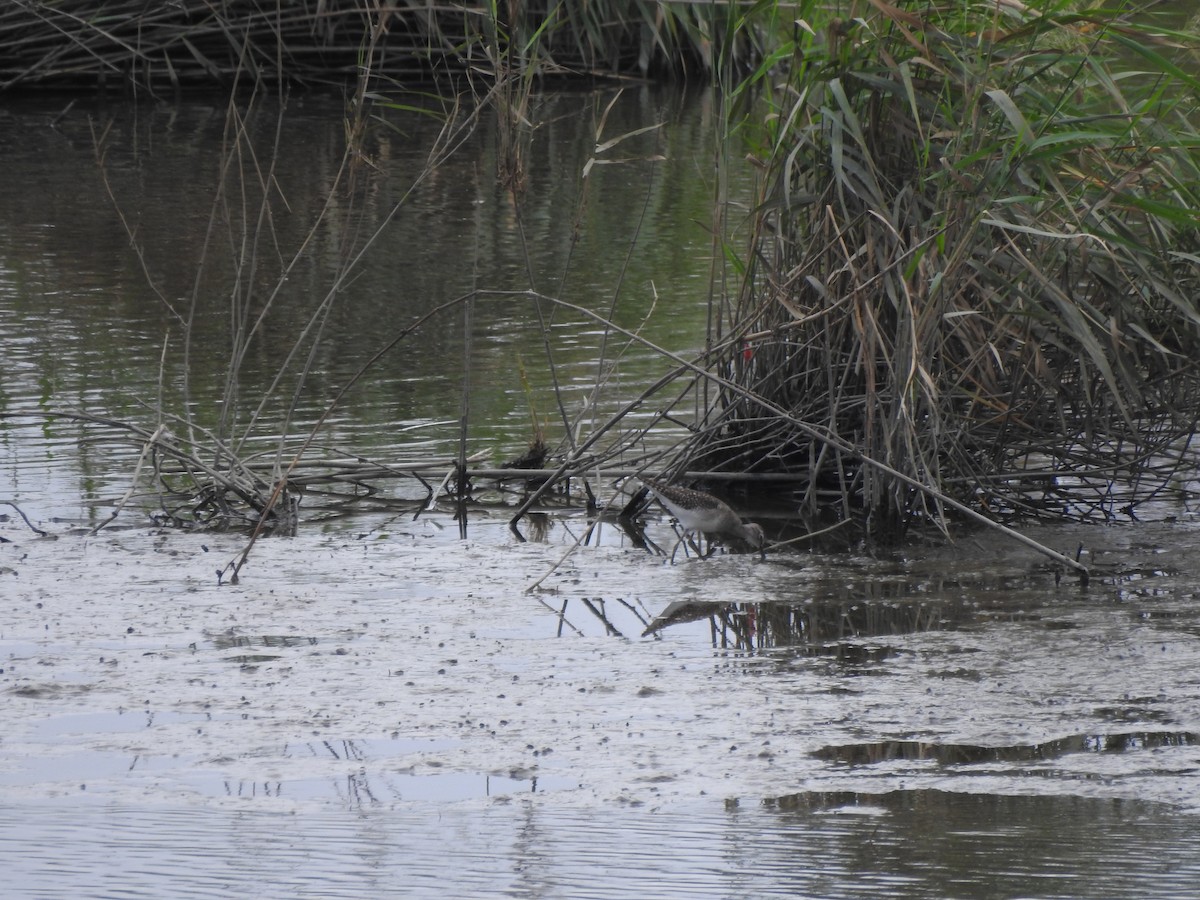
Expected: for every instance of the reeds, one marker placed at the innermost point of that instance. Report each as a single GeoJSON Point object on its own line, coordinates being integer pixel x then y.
{"type": "Point", "coordinates": [190, 43]}
{"type": "Point", "coordinates": [232, 474]}
{"type": "Point", "coordinates": [974, 264]}
{"type": "Point", "coordinates": [972, 268]}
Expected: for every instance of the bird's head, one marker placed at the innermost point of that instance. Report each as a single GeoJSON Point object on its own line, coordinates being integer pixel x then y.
{"type": "Point", "coordinates": [753, 535]}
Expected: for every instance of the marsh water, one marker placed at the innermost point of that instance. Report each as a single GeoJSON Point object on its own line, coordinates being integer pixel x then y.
{"type": "Point", "coordinates": [395, 701]}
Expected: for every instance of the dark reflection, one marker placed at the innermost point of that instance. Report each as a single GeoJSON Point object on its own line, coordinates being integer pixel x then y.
{"type": "Point", "coordinates": [231, 641]}
{"type": "Point", "coordinates": [1136, 710]}
{"type": "Point", "coordinates": [917, 845]}
{"type": "Point", "coordinates": [956, 754]}
{"type": "Point", "coordinates": [228, 640]}
{"type": "Point", "coordinates": [814, 629]}
{"type": "Point", "coordinates": [246, 789]}
{"type": "Point", "coordinates": [935, 844]}
{"type": "Point", "coordinates": [539, 526]}
{"type": "Point", "coordinates": [825, 801]}
{"type": "Point", "coordinates": [601, 610]}
{"type": "Point", "coordinates": [248, 660]}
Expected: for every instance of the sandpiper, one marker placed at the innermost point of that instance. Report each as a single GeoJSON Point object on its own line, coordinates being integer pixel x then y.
{"type": "Point", "coordinates": [704, 513]}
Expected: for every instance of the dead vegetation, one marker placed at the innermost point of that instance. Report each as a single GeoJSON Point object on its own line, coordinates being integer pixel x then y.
{"type": "Point", "coordinates": [968, 289]}
{"type": "Point", "coordinates": [973, 269]}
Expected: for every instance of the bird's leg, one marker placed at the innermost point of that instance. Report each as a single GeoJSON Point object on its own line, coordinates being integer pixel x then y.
{"type": "Point", "coordinates": [695, 543]}
{"type": "Point", "coordinates": [685, 540]}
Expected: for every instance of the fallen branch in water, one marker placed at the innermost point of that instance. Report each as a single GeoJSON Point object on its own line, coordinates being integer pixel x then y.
{"type": "Point", "coordinates": [24, 517]}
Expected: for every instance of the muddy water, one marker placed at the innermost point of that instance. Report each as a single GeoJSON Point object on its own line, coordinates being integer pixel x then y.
{"type": "Point", "coordinates": [384, 707]}
{"type": "Point", "coordinates": [387, 709]}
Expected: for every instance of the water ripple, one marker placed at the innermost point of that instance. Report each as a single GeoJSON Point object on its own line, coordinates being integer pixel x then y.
{"type": "Point", "coordinates": [906, 844]}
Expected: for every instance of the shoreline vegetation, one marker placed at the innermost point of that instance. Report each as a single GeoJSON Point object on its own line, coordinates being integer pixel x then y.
{"type": "Point", "coordinates": [970, 287]}
{"type": "Point", "coordinates": [132, 46]}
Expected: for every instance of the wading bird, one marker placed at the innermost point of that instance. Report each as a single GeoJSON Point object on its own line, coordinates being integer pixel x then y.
{"type": "Point", "coordinates": [704, 514]}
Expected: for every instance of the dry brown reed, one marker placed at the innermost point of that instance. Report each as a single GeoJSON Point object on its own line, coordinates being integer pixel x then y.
{"type": "Point", "coordinates": [973, 271]}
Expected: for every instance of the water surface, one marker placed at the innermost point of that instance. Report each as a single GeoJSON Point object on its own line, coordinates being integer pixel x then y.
{"type": "Point", "coordinates": [382, 706]}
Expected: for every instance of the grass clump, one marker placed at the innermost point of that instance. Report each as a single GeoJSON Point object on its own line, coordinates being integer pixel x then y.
{"type": "Point", "coordinates": [974, 261]}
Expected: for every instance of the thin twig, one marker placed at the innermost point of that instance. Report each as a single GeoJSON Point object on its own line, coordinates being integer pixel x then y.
{"type": "Point", "coordinates": [24, 517]}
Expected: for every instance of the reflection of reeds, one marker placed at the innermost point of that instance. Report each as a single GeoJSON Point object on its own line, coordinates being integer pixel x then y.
{"type": "Point", "coordinates": [951, 754]}
{"type": "Point", "coordinates": [847, 631]}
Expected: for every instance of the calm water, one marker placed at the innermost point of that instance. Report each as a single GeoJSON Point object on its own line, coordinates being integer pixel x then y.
{"type": "Point", "coordinates": [83, 326]}
{"type": "Point", "coordinates": [383, 708]}
{"type": "Point", "coordinates": [925, 845]}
